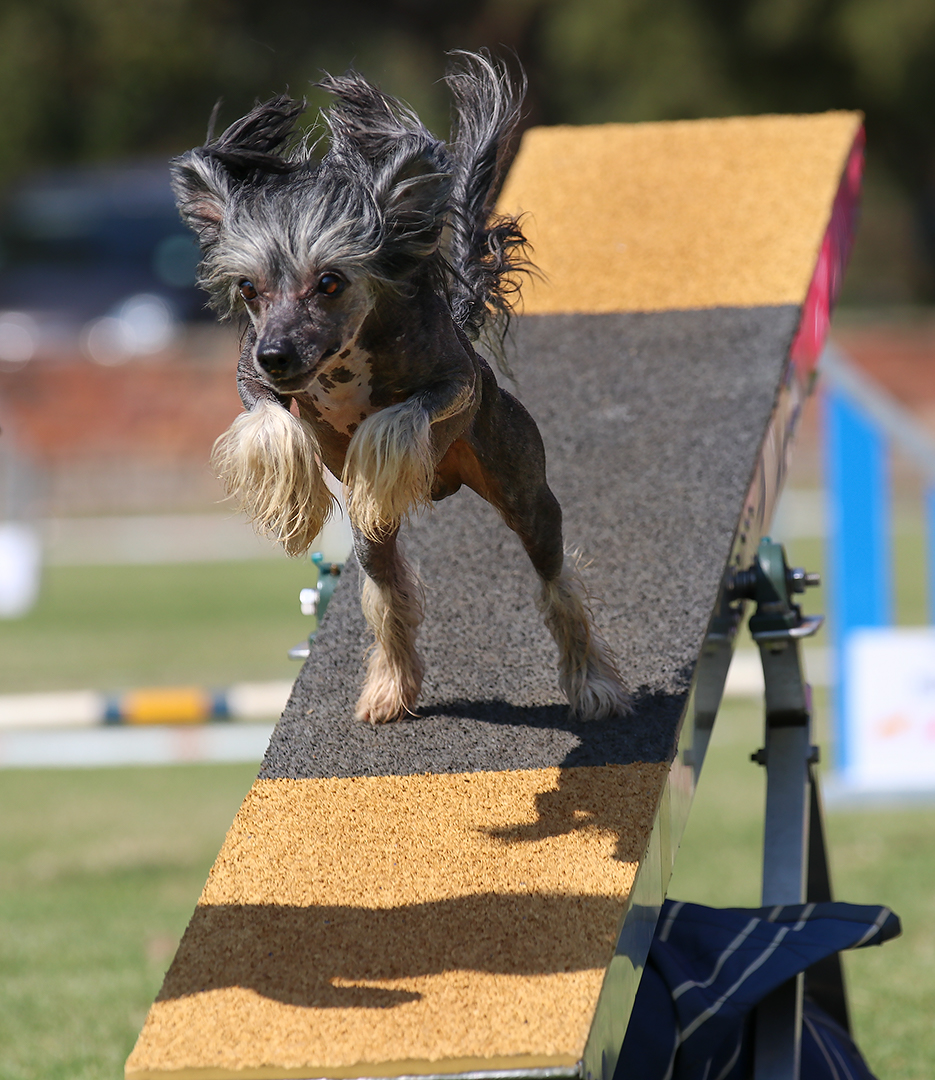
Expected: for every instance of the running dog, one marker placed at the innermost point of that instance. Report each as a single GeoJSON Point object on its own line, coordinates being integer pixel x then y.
{"type": "Point", "coordinates": [366, 274]}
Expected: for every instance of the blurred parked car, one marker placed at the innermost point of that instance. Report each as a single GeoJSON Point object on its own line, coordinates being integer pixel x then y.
{"type": "Point", "coordinates": [94, 259]}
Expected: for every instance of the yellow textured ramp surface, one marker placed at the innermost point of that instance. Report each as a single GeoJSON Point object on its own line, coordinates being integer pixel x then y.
{"type": "Point", "coordinates": [686, 214]}
{"type": "Point", "coordinates": [402, 922]}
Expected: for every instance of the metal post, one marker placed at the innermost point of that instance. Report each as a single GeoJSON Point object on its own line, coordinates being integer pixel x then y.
{"type": "Point", "coordinates": [713, 666]}
{"type": "Point", "coordinates": [824, 981]}
{"type": "Point", "coordinates": [786, 755]}
{"type": "Point", "coordinates": [776, 627]}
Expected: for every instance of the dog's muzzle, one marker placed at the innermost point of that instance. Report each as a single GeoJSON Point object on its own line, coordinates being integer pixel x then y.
{"type": "Point", "coordinates": [279, 358]}
{"type": "Point", "coordinates": [281, 361]}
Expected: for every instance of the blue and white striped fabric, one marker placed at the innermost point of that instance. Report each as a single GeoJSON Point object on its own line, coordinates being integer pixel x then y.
{"type": "Point", "coordinates": [709, 968]}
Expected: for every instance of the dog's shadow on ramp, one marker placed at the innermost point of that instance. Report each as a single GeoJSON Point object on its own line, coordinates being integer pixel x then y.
{"type": "Point", "coordinates": [528, 878]}
{"type": "Point", "coordinates": [648, 735]}
{"type": "Point", "coordinates": [330, 956]}
{"type": "Point", "coordinates": [619, 806]}
{"type": "Point", "coordinates": [468, 734]}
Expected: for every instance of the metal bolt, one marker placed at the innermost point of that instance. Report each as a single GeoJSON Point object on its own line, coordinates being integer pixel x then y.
{"type": "Point", "coordinates": [799, 580]}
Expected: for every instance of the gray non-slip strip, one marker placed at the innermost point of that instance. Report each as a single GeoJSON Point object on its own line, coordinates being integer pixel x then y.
{"type": "Point", "coordinates": [652, 424]}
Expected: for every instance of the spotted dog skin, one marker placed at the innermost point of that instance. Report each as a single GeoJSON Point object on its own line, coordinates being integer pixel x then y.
{"type": "Point", "coordinates": [482, 436]}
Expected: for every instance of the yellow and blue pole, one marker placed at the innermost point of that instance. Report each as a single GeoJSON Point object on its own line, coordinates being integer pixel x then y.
{"type": "Point", "coordinates": [167, 705]}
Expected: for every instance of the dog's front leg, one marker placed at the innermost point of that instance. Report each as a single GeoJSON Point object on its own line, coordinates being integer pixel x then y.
{"type": "Point", "coordinates": [390, 465]}
{"type": "Point", "coordinates": [270, 463]}
{"type": "Point", "coordinates": [392, 604]}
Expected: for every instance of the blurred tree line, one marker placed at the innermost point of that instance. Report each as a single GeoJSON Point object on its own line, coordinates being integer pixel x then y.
{"type": "Point", "coordinates": [90, 80]}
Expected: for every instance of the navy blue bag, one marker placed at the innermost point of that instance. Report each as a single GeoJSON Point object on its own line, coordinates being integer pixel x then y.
{"type": "Point", "coordinates": [708, 969]}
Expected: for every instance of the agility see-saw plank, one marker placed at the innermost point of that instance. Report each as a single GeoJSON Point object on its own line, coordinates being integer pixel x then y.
{"type": "Point", "coordinates": [473, 890]}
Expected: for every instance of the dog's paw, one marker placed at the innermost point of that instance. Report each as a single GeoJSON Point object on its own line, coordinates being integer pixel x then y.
{"type": "Point", "coordinates": [386, 699]}
{"type": "Point", "coordinates": [587, 670]}
{"type": "Point", "coordinates": [600, 694]}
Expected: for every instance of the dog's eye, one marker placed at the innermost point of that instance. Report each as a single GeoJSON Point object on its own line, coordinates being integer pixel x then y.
{"type": "Point", "coordinates": [331, 284]}
{"type": "Point", "coordinates": [248, 290]}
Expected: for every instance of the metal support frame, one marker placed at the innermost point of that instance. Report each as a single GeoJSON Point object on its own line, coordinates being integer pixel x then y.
{"type": "Point", "coordinates": [795, 868]}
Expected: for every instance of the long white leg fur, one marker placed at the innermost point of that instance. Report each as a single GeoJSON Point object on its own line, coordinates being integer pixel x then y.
{"type": "Point", "coordinates": [389, 468]}
{"type": "Point", "coordinates": [587, 670]}
{"type": "Point", "coordinates": [269, 462]}
{"type": "Point", "coordinates": [395, 669]}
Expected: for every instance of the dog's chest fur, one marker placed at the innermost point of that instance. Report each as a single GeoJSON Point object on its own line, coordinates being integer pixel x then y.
{"type": "Point", "coordinates": [340, 392]}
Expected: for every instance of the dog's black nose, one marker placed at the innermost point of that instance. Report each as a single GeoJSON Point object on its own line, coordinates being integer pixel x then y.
{"type": "Point", "coordinates": [277, 357]}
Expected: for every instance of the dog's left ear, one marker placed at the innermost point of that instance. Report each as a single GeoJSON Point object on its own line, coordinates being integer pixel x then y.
{"type": "Point", "coordinates": [408, 169]}
{"type": "Point", "coordinates": [204, 179]}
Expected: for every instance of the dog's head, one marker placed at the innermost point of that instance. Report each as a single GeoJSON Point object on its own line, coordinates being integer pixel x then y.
{"type": "Point", "coordinates": [304, 246]}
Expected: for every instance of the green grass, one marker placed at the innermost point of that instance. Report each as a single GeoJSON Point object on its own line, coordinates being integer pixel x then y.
{"type": "Point", "coordinates": [878, 856]}
{"type": "Point", "coordinates": [113, 628]}
{"type": "Point", "coordinates": [101, 871]}
{"type": "Point", "coordinates": [101, 868]}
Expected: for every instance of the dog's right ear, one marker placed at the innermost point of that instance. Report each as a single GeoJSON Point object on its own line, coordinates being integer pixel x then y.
{"type": "Point", "coordinates": [202, 188]}
{"type": "Point", "coordinates": [204, 179]}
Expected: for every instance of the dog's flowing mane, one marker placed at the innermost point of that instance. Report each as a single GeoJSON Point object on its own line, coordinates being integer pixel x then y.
{"type": "Point", "coordinates": [387, 196]}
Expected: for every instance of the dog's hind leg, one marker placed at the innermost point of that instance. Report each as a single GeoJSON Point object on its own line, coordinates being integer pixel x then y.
{"type": "Point", "coordinates": [511, 475]}
{"type": "Point", "coordinates": [587, 672]}
{"type": "Point", "coordinates": [392, 604]}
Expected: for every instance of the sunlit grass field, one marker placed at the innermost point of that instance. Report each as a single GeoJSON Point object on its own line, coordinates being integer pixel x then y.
{"type": "Point", "coordinates": [112, 628]}
{"type": "Point", "coordinates": [101, 868]}
{"type": "Point", "coordinates": [101, 872]}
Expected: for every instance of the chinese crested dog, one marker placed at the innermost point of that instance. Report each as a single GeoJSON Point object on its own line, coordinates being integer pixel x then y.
{"type": "Point", "coordinates": [366, 275]}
